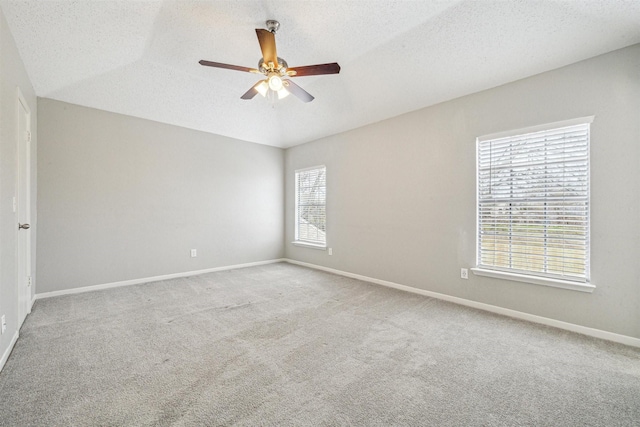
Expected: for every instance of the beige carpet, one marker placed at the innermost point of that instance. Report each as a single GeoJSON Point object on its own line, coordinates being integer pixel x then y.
{"type": "Point", "coordinates": [282, 345]}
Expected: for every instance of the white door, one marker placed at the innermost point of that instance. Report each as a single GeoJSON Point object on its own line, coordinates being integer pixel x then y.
{"type": "Point", "coordinates": [23, 214]}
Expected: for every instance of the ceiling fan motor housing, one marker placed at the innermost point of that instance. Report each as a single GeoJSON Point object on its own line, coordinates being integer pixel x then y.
{"type": "Point", "coordinates": [281, 62]}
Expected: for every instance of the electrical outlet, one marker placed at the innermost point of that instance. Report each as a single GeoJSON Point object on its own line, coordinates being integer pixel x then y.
{"type": "Point", "coordinates": [330, 251]}
{"type": "Point", "coordinates": [194, 253]}
{"type": "Point", "coordinates": [3, 320]}
{"type": "Point", "coordinates": [464, 273]}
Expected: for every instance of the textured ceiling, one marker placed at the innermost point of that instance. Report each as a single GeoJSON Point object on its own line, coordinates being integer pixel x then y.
{"type": "Point", "coordinates": [141, 57]}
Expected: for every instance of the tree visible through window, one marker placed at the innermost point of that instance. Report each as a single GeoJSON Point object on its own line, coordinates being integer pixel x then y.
{"type": "Point", "coordinates": [311, 194]}
{"type": "Point", "coordinates": [533, 203]}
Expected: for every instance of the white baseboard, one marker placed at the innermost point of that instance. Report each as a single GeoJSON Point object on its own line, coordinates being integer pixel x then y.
{"type": "Point", "coordinates": [596, 333]}
{"type": "Point", "coordinates": [151, 279]}
{"type": "Point", "coordinates": [5, 355]}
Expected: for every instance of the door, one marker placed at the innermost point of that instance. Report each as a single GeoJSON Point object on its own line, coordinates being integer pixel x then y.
{"type": "Point", "coordinates": [22, 207]}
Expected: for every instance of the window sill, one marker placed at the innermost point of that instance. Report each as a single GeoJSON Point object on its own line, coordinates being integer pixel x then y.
{"type": "Point", "coordinates": [544, 281]}
{"type": "Point", "coordinates": [310, 245]}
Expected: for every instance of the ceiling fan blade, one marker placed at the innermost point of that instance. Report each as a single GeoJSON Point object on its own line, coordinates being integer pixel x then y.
{"type": "Point", "coordinates": [252, 92]}
{"type": "Point", "coordinates": [298, 91]}
{"type": "Point", "coordinates": [267, 41]}
{"type": "Point", "coordinates": [314, 70]}
{"type": "Point", "coordinates": [228, 66]}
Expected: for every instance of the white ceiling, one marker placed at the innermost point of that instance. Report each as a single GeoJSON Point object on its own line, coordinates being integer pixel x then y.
{"type": "Point", "coordinates": [141, 57]}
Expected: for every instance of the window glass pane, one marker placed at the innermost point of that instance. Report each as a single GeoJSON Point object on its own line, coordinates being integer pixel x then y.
{"type": "Point", "coordinates": [533, 203]}
{"type": "Point", "coordinates": [311, 205]}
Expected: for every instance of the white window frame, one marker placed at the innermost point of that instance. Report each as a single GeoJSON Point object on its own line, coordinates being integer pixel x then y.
{"type": "Point", "coordinates": [584, 284]}
{"type": "Point", "coordinates": [314, 244]}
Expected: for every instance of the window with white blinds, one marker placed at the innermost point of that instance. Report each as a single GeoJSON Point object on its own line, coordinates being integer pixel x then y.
{"type": "Point", "coordinates": [533, 203]}
{"type": "Point", "coordinates": [311, 211]}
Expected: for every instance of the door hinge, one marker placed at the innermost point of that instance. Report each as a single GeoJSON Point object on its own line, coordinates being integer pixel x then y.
{"type": "Point", "coordinates": [28, 280]}
{"type": "Point", "coordinates": [28, 136]}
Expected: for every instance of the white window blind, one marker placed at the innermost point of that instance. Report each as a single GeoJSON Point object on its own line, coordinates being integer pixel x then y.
{"type": "Point", "coordinates": [533, 203]}
{"type": "Point", "coordinates": [311, 212]}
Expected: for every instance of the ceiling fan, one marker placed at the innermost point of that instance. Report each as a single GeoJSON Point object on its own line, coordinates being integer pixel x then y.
{"type": "Point", "coordinates": [276, 69]}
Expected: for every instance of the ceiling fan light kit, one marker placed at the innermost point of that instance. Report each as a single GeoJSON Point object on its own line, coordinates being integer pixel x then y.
{"type": "Point", "coordinates": [276, 69]}
{"type": "Point", "coordinates": [275, 82]}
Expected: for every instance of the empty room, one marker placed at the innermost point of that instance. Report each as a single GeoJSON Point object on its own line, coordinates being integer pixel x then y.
{"type": "Point", "coordinates": [320, 213]}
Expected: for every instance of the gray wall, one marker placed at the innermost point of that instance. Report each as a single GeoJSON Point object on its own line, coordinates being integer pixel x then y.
{"type": "Point", "coordinates": [125, 198]}
{"type": "Point", "coordinates": [12, 76]}
{"type": "Point", "coordinates": [401, 193]}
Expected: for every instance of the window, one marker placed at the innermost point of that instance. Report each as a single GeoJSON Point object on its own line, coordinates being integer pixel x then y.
{"type": "Point", "coordinates": [533, 202]}
{"type": "Point", "coordinates": [311, 212]}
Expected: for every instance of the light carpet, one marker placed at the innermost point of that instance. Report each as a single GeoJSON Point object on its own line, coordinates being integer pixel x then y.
{"type": "Point", "coordinates": [283, 345]}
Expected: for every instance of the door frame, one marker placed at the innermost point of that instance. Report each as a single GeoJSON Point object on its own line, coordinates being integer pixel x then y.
{"type": "Point", "coordinates": [23, 255]}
